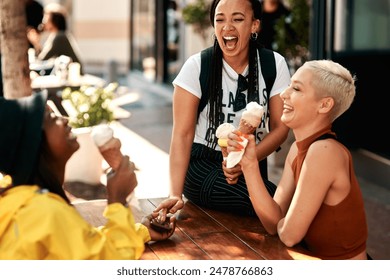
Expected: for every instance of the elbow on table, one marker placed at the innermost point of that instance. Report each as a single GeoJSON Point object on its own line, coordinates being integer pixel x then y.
{"type": "Point", "coordinates": [269, 228]}
{"type": "Point", "coordinates": [289, 239]}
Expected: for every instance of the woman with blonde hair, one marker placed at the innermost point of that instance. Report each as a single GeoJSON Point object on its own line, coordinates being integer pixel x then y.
{"type": "Point", "coordinates": [318, 200]}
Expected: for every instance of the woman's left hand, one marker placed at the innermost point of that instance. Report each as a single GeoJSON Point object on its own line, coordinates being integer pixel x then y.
{"type": "Point", "coordinates": [157, 235]}
{"type": "Point", "coordinates": [231, 174]}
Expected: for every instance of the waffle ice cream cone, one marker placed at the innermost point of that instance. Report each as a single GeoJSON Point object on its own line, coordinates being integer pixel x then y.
{"type": "Point", "coordinates": [111, 152]}
{"type": "Point", "coordinates": [251, 118]}
{"type": "Point", "coordinates": [245, 127]}
{"type": "Point", "coordinates": [222, 134]}
{"type": "Point", "coordinates": [109, 146]}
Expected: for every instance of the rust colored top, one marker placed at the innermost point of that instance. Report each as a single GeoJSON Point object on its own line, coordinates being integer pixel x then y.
{"type": "Point", "coordinates": [339, 231]}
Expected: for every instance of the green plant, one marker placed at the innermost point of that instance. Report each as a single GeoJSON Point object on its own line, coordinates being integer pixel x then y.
{"type": "Point", "coordinates": [292, 33]}
{"type": "Point", "coordinates": [197, 14]}
{"type": "Point", "coordinates": [91, 105]}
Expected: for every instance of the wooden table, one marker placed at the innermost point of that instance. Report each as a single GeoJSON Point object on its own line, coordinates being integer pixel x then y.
{"type": "Point", "coordinates": [203, 234]}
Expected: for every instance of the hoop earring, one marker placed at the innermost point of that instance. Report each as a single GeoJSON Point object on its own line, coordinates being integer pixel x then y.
{"type": "Point", "coordinates": [254, 36]}
{"type": "Point", "coordinates": [213, 36]}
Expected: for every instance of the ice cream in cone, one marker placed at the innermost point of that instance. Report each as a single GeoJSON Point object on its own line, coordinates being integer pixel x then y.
{"type": "Point", "coordinates": [109, 146]}
{"type": "Point", "coordinates": [222, 134]}
{"type": "Point", "coordinates": [251, 118]}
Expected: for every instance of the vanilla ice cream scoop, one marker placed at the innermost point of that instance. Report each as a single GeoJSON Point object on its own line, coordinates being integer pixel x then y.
{"type": "Point", "coordinates": [223, 130]}
{"type": "Point", "coordinates": [101, 134]}
{"type": "Point", "coordinates": [253, 114]}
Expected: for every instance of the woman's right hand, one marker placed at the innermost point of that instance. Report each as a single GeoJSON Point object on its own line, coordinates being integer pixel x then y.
{"type": "Point", "coordinates": [250, 150]}
{"type": "Point", "coordinates": [169, 205]}
{"type": "Point", "coordinates": [121, 182]}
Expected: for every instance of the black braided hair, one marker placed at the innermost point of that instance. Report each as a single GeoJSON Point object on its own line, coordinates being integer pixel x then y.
{"type": "Point", "coordinates": [215, 79]}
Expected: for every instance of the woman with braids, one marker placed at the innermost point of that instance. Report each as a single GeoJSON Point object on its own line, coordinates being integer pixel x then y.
{"type": "Point", "coordinates": [197, 168]}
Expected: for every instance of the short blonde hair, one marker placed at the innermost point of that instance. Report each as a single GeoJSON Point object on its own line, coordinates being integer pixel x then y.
{"type": "Point", "coordinates": [334, 80]}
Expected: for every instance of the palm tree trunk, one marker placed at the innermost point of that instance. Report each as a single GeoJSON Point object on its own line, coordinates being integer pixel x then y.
{"type": "Point", "coordinates": [14, 46]}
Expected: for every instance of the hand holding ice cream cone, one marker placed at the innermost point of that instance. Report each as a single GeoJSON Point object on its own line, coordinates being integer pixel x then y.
{"type": "Point", "coordinates": [108, 145]}
{"type": "Point", "coordinates": [249, 122]}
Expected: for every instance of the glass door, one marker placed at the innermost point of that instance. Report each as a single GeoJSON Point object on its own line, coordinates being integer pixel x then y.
{"type": "Point", "coordinates": [143, 44]}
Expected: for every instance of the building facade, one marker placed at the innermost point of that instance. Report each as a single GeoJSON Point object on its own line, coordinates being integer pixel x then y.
{"type": "Point", "coordinates": [139, 35]}
{"type": "Point", "coordinates": [357, 35]}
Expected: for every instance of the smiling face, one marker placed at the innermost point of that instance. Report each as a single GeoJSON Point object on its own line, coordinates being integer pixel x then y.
{"type": "Point", "coordinates": [234, 23]}
{"type": "Point", "coordinates": [302, 105]}
{"type": "Point", "coordinates": [61, 142]}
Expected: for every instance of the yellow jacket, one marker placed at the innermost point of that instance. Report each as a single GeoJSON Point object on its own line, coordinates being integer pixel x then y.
{"type": "Point", "coordinates": [40, 225]}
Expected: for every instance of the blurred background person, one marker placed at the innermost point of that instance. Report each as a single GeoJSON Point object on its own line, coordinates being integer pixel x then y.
{"type": "Point", "coordinates": [34, 16]}
{"type": "Point", "coordinates": [59, 41]}
{"type": "Point", "coordinates": [273, 10]}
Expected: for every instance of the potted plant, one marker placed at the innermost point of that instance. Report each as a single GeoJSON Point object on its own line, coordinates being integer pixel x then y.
{"type": "Point", "coordinates": [87, 107]}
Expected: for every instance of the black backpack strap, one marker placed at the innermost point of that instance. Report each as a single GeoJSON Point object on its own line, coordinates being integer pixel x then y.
{"type": "Point", "coordinates": [268, 68]}
{"type": "Point", "coordinates": [267, 64]}
{"type": "Point", "coordinates": [205, 65]}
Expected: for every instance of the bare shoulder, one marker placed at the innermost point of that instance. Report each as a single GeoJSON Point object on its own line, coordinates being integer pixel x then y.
{"type": "Point", "coordinates": [326, 144]}
{"type": "Point", "coordinates": [184, 98]}
{"type": "Point", "coordinates": [328, 149]}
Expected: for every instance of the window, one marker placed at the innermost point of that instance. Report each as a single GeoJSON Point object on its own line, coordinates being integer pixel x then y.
{"type": "Point", "coordinates": [362, 25]}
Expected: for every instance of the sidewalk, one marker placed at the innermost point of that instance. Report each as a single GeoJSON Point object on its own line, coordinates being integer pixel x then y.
{"type": "Point", "coordinates": [146, 137]}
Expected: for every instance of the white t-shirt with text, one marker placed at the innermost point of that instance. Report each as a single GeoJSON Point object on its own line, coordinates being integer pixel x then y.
{"type": "Point", "coordinates": [188, 79]}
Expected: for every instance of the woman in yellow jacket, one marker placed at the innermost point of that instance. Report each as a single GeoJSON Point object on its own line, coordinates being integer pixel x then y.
{"type": "Point", "coordinates": [37, 220]}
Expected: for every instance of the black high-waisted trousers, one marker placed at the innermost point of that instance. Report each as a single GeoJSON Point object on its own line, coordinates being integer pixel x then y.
{"type": "Point", "coordinates": [206, 186]}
